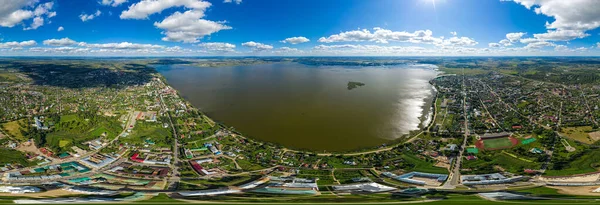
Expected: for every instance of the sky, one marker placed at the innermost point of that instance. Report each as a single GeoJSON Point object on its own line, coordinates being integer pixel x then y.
{"type": "Point", "coordinates": [299, 27]}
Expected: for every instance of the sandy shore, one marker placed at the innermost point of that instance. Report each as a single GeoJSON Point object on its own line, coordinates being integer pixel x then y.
{"type": "Point", "coordinates": [52, 193]}
{"type": "Point", "coordinates": [577, 190]}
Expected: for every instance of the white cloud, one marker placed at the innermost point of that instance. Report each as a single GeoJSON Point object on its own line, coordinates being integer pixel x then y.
{"type": "Point", "coordinates": [539, 45]}
{"type": "Point", "coordinates": [598, 44]}
{"type": "Point", "coordinates": [188, 27]}
{"type": "Point", "coordinates": [514, 37]}
{"type": "Point", "coordinates": [113, 3]}
{"type": "Point", "coordinates": [37, 22]}
{"type": "Point", "coordinates": [288, 49]}
{"type": "Point", "coordinates": [60, 28]}
{"type": "Point", "coordinates": [453, 33]}
{"type": "Point", "coordinates": [381, 35]}
{"type": "Point", "coordinates": [561, 35]}
{"type": "Point", "coordinates": [15, 44]}
{"type": "Point", "coordinates": [86, 17]}
{"type": "Point", "coordinates": [296, 40]}
{"type": "Point", "coordinates": [14, 12]}
{"type": "Point", "coordinates": [561, 48]}
{"type": "Point", "coordinates": [568, 15]}
{"type": "Point", "coordinates": [457, 41]}
{"type": "Point", "coordinates": [217, 46]}
{"type": "Point", "coordinates": [121, 46]}
{"type": "Point", "coordinates": [62, 50]}
{"type": "Point", "coordinates": [572, 18]}
{"type": "Point", "coordinates": [236, 1]}
{"type": "Point", "coordinates": [494, 45]}
{"type": "Point", "coordinates": [145, 8]}
{"type": "Point", "coordinates": [505, 42]}
{"type": "Point", "coordinates": [257, 46]}
{"type": "Point", "coordinates": [14, 18]}
{"type": "Point", "coordinates": [60, 42]}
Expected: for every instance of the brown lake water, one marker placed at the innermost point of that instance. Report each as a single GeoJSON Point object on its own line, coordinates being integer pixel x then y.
{"type": "Point", "coordinates": [310, 107]}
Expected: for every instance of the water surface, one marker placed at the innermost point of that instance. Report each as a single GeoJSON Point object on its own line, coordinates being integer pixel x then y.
{"type": "Point", "coordinates": [310, 107]}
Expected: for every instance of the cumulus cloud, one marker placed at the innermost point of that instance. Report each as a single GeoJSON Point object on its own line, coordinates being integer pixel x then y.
{"type": "Point", "coordinates": [86, 17]}
{"type": "Point", "coordinates": [217, 46]}
{"type": "Point", "coordinates": [514, 37]}
{"type": "Point", "coordinates": [257, 46]}
{"type": "Point", "coordinates": [288, 49]}
{"type": "Point", "coordinates": [113, 3]}
{"type": "Point", "coordinates": [17, 11]}
{"type": "Point", "coordinates": [296, 40]}
{"type": "Point", "coordinates": [561, 35]}
{"type": "Point", "coordinates": [380, 35]}
{"type": "Point", "coordinates": [453, 33]}
{"type": "Point", "coordinates": [494, 45]}
{"type": "Point", "coordinates": [505, 42]}
{"type": "Point", "coordinates": [145, 8]}
{"type": "Point", "coordinates": [121, 46]}
{"type": "Point", "coordinates": [60, 42]}
{"type": "Point", "coordinates": [598, 44]}
{"type": "Point", "coordinates": [230, 1]}
{"type": "Point", "coordinates": [15, 44]}
{"type": "Point", "coordinates": [571, 18]}
{"type": "Point", "coordinates": [539, 45]}
{"type": "Point", "coordinates": [60, 50]}
{"type": "Point", "coordinates": [188, 27]}
{"type": "Point", "coordinates": [37, 22]}
{"type": "Point", "coordinates": [60, 28]}
{"type": "Point", "coordinates": [561, 48]}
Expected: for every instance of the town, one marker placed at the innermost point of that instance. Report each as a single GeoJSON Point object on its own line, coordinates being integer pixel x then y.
{"type": "Point", "coordinates": [116, 130]}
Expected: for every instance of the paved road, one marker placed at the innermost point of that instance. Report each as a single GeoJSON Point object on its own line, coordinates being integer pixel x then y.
{"type": "Point", "coordinates": [454, 177]}
{"type": "Point", "coordinates": [174, 166]}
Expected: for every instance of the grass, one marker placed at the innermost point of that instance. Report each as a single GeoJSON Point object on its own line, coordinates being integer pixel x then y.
{"type": "Point", "coordinates": [147, 130]}
{"type": "Point", "coordinates": [248, 166]}
{"type": "Point", "coordinates": [497, 143]}
{"type": "Point", "coordinates": [13, 156]}
{"type": "Point", "coordinates": [578, 133]}
{"type": "Point", "coordinates": [485, 164]}
{"type": "Point", "coordinates": [64, 143]}
{"type": "Point", "coordinates": [346, 176]}
{"type": "Point", "coordinates": [13, 129]}
{"type": "Point", "coordinates": [423, 166]}
{"type": "Point", "coordinates": [584, 164]}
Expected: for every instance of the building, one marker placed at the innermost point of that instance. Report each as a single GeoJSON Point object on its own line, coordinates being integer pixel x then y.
{"type": "Point", "coordinates": [97, 160]}
{"type": "Point", "coordinates": [486, 179]}
{"type": "Point", "coordinates": [408, 178]}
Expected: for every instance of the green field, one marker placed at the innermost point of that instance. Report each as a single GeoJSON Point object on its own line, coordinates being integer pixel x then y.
{"type": "Point", "coordinates": [578, 133]}
{"type": "Point", "coordinates": [497, 143]}
{"type": "Point", "coordinates": [13, 156]}
{"type": "Point", "coordinates": [149, 131]}
{"type": "Point", "coordinates": [588, 162]}
{"type": "Point", "coordinates": [73, 130]}
{"type": "Point", "coordinates": [422, 166]}
{"type": "Point", "coordinates": [13, 129]}
{"type": "Point", "coordinates": [487, 161]}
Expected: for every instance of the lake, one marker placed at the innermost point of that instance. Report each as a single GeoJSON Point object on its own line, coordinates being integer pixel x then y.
{"type": "Point", "coordinates": [310, 107]}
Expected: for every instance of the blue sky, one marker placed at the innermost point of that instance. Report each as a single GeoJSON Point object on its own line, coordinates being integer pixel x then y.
{"type": "Point", "coordinates": [312, 27]}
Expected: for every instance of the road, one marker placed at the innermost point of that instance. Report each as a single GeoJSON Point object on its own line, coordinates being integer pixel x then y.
{"type": "Point", "coordinates": [174, 166]}
{"type": "Point", "coordinates": [454, 177]}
